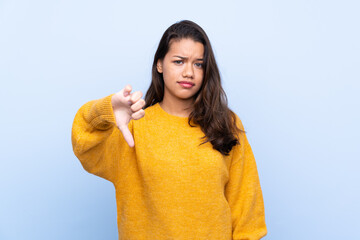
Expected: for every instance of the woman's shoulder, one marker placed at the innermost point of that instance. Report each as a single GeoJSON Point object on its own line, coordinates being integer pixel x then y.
{"type": "Point", "coordinates": [151, 111]}
{"type": "Point", "coordinates": [151, 108]}
{"type": "Point", "coordinates": [151, 114]}
{"type": "Point", "coordinates": [237, 119]}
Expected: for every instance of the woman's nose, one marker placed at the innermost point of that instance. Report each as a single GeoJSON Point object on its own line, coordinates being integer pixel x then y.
{"type": "Point", "coordinates": [188, 71]}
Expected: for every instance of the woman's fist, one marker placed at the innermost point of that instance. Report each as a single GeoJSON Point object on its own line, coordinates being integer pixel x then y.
{"type": "Point", "coordinates": [127, 106]}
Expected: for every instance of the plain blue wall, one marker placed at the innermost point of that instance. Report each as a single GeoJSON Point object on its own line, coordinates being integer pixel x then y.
{"type": "Point", "coordinates": [290, 70]}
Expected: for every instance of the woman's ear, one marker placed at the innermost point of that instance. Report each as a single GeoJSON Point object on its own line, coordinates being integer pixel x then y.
{"type": "Point", "coordinates": [159, 66]}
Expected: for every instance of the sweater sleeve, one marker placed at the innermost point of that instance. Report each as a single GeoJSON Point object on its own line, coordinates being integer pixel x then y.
{"type": "Point", "coordinates": [244, 194]}
{"type": "Point", "coordinates": [96, 141]}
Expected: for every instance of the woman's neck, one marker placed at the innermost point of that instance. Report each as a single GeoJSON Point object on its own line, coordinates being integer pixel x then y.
{"type": "Point", "coordinates": [180, 108]}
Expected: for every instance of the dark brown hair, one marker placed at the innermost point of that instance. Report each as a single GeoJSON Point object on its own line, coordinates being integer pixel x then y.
{"type": "Point", "coordinates": [210, 110]}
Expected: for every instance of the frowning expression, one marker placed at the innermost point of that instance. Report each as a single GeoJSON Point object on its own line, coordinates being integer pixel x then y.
{"type": "Point", "coordinates": [182, 69]}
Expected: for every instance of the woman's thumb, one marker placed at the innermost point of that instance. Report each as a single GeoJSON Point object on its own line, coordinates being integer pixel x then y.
{"type": "Point", "coordinates": [127, 135]}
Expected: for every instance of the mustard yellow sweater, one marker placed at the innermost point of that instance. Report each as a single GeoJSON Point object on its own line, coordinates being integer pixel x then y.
{"type": "Point", "coordinates": [167, 186]}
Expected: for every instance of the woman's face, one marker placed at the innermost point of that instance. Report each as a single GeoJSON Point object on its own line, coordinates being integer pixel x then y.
{"type": "Point", "coordinates": [182, 69]}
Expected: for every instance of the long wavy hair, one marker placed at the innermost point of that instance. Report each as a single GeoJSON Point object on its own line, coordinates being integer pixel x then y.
{"type": "Point", "coordinates": [210, 110]}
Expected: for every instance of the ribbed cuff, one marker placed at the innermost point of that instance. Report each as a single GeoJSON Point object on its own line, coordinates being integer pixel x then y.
{"type": "Point", "coordinates": [104, 117]}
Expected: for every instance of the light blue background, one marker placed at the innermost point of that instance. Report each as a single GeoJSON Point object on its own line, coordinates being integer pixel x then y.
{"type": "Point", "coordinates": [290, 70]}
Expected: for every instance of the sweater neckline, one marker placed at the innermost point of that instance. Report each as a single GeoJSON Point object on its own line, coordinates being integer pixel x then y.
{"type": "Point", "coordinates": [168, 115]}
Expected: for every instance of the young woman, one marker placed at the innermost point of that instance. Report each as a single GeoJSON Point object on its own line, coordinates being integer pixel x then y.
{"type": "Point", "coordinates": [180, 161]}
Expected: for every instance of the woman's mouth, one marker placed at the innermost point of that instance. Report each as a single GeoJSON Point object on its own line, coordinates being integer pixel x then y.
{"type": "Point", "coordinates": [186, 84]}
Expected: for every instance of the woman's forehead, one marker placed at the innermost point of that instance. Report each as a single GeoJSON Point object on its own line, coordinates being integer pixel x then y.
{"type": "Point", "coordinates": [187, 48]}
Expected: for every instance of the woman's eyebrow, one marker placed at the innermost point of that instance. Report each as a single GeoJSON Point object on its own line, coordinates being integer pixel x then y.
{"type": "Point", "coordinates": [199, 59]}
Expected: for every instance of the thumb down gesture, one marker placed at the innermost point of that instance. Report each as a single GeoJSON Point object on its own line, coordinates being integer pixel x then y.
{"type": "Point", "coordinates": [127, 106]}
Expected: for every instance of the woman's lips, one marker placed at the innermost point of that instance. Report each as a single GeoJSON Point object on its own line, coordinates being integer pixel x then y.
{"type": "Point", "coordinates": [186, 84]}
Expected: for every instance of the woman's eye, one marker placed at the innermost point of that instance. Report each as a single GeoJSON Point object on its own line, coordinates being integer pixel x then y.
{"type": "Point", "coordinates": [199, 64]}
{"type": "Point", "coordinates": [178, 61]}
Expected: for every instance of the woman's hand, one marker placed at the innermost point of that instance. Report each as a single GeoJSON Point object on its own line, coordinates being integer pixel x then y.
{"type": "Point", "coordinates": [127, 106]}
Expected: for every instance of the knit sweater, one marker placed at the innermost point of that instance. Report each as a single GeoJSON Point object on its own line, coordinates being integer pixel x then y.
{"type": "Point", "coordinates": [169, 186]}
